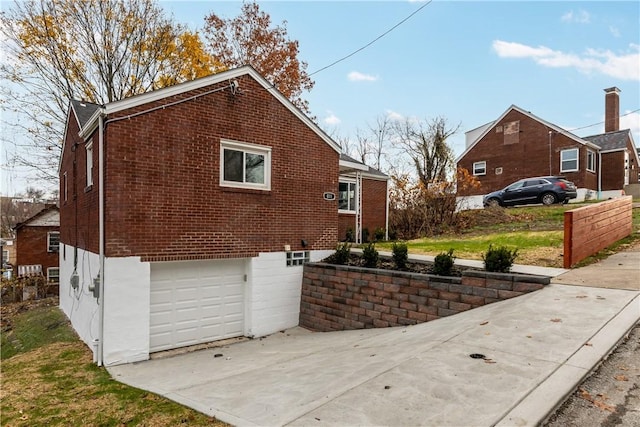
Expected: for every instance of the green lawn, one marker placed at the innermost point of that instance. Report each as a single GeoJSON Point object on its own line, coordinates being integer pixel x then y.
{"type": "Point", "coordinates": [49, 378]}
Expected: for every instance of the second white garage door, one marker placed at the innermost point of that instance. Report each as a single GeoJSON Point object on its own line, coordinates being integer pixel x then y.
{"type": "Point", "coordinates": [194, 302]}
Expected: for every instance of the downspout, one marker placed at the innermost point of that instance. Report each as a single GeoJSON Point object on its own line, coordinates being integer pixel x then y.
{"type": "Point", "coordinates": [101, 228]}
{"type": "Point", "coordinates": [599, 174]}
{"type": "Point", "coordinates": [386, 225]}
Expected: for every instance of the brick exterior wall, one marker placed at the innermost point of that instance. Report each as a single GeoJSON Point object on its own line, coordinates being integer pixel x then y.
{"type": "Point", "coordinates": [523, 154]}
{"type": "Point", "coordinates": [163, 200]}
{"type": "Point", "coordinates": [338, 297]}
{"type": "Point", "coordinates": [32, 248]}
{"type": "Point", "coordinates": [374, 212]}
{"type": "Point", "coordinates": [612, 161]}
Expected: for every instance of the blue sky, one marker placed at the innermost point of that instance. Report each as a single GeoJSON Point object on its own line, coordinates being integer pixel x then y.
{"type": "Point", "coordinates": [466, 61]}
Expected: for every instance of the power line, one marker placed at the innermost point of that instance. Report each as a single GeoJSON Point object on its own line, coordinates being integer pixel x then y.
{"type": "Point", "coordinates": [599, 123]}
{"type": "Point", "coordinates": [372, 41]}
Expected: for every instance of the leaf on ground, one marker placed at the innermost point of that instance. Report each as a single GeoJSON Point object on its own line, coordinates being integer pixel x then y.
{"type": "Point", "coordinates": [556, 320]}
{"type": "Point", "coordinates": [484, 323]}
{"type": "Point", "coordinates": [529, 336]}
{"type": "Point", "coordinates": [489, 361]}
{"type": "Point", "coordinates": [581, 296]}
{"type": "Point", "coordinates": [604, 406]}
{"type": "Point", "coordinates": [588, 344]}
{"type": "Point", "coordinates": [621, 378]}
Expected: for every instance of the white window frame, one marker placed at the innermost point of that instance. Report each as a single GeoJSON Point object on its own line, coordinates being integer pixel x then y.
{"type": "Point", "coordinates": [246, 148]}
{"type": "Point", "coordinates": [477, 166]}
{"type": "Point", "coordinates": [349, 182]}
{"type": "Point", "coordinates": [591, 160]}
{"type": "Point", "coordinates": [49, 247]}
{"type": "Point", "coordinates": [57, 276]}
{"type": "Point", "coordinates": [89, 153]}
{"type": "Point", "coordinates": [576, 160]}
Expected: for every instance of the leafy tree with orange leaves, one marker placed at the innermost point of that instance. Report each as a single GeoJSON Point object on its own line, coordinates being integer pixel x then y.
{"type": "Point", "coordinates": [97, 50]}
{"type": "Point", "coordinates": [249, 39]}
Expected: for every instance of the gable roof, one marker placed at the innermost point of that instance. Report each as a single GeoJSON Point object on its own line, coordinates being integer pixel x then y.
{"type": "Point", "coordinates": [83, 111]}
{"type": "Point", "coordinates": [91, 123]}
{"type": "Point", "coordinates": [47, 217]}
{"type": "Point", "coordinates": [611, 141]}
{"type": "Point", "coordinates": [550, 125]}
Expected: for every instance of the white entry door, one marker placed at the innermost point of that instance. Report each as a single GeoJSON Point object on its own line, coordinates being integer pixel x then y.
{"type": "Point", "coordinates": [194, 302]}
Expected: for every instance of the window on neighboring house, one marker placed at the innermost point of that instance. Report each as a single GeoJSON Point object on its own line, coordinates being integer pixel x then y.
{"type": "Point", "coordinates": [53, 241]}
{"type": "Point", "coordinates": [346, 196]}
{"type": "Point", "coordinates": [591, 161]}
{"type": "Point", "coordinates": [569, 160]}
{"type": "Point", "coordinates": [53, 275]}
{"type": "Point", "coordinates": [245, 165]}
{"type": "Point", "coordinates": [480, 168]}
{"type": "Point", "coordinates": [89, 149]}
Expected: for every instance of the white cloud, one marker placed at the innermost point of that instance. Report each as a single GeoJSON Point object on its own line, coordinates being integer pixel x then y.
{"type": "Point", "coordinates": [356, 76]}
{"type": "Point", "coordinates": [392, 115]}
{"type": "Point", "coordinates": [614, 31]}
{"type": "Point", "coordinates": [624, 66]}
{"type": "Point", "coordinates": [331, 119]}
{"type": "Point", "coordinates": [631, 121]}
{"type": "Point", "coordinates": [580, 17]}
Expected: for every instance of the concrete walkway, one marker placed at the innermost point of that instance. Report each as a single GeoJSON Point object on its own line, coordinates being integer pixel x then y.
{"type": "Point", "coordinates": [535, 350]}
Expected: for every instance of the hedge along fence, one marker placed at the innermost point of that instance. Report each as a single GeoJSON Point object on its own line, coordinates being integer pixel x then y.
{"type": "Point", "coordinates": [592, 228]}
{"type": "Point", "coordinates": [339, 297]}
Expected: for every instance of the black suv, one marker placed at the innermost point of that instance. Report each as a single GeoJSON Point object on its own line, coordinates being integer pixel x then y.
{"type": "Point", "coordinates": [543, 189]}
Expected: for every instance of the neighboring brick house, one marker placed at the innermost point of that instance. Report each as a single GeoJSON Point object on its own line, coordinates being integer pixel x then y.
{"type": "Point", "coordinates": [187, 213]}
{"type": "Point", "coordinates": [519, 145]}
{"type": "Point", "coordinates": [37, 244]}
{"type": "Point", "coordinates": [361, 214]}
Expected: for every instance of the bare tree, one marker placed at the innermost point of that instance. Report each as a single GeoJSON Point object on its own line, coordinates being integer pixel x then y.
{"type": "Point", "coordinates": [426, 145]}
{"type": "Point", "coordinates": [96, 50]}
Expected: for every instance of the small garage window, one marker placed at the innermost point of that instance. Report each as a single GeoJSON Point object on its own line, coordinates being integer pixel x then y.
{"type": "Point", "coordinates": [297, 258]}
{"type": "Point", "coordinates": [480, 168]}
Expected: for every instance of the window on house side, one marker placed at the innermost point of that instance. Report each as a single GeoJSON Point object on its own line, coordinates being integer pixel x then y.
{"type": "Point", "coordinates": [569, 160]}
{"type": "Point", "coordinates": [53, 275]}
{"type": "Point", "coordinates": [245, 165]}
{"type": "Point", "coordinates": [53, 241]}
{"type": "Point", "coordinates": [89, 149]}
{"type": "Point", "coordinates": [480, 168]}
{"type": "Point", "coordinates": [347, 196]}
{"type": "Point", "coordinates": [591, 161]}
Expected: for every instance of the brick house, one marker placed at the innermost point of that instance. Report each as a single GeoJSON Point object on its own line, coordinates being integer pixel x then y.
{"type": "Point", "coordinates": [362, 213]}
{"type": "Point", "coordinates": [187, 213]}
{"type": "Point", "coordinates": [37, 244]}
{"type": "Point", "coordinates": [519, 144]}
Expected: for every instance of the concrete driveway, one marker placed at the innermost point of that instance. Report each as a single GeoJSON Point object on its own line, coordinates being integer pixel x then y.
{"type": "Point", "coordinates": [536, 348]}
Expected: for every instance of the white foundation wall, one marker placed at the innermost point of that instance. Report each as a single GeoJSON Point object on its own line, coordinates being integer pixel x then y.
{"type": "Point", "coordinates": [273, 293]}
{"type": "Point", "coordinates": [79, 305]}
{"type": "Point", "coordinates": [127, 293]}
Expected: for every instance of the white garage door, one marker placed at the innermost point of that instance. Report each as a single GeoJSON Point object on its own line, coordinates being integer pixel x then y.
{"type": "Point", "coordinates": [194, 302]}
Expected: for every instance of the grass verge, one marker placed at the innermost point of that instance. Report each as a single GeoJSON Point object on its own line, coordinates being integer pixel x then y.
{"type": "Point", "coordinates": [49, 378]}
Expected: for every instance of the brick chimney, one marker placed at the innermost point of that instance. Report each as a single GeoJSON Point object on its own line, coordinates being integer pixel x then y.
{"type": "Point", "coordinates": [611, 109]}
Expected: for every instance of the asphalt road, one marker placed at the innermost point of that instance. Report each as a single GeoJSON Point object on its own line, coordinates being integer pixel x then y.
{"type": "Point", "coordinates": [610, 396]}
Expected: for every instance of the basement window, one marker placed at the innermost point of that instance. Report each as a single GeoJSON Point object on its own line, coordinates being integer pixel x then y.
{"type": "Point", "coordinates": [53, 275]}
{"type": "Point", "coordinates": [297, 258]}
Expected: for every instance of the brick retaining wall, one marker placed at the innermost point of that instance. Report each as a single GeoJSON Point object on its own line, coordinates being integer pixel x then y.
{"type": "Point", "coordinates": [338, 297]}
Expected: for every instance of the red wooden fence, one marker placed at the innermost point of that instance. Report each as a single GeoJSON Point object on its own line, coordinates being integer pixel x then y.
{"type": "Point", "coordinates": [592, 228]}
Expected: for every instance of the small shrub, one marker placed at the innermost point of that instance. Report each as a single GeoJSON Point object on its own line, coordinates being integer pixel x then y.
{"type": "Point", "coordinates": [499, 259]}
{"type": "Point", "coordinates": [443, 263]}
{"type": "Point", "coordinates": [342, 253]}
{"type": "Point", "coordinates": [370, 255]}
{"type": "Point", "coordinates": [400, 255]}
{"type": "Point", "coordinates": [350, 235]}
{"type": "Point", "coordinates": [379, 234]}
